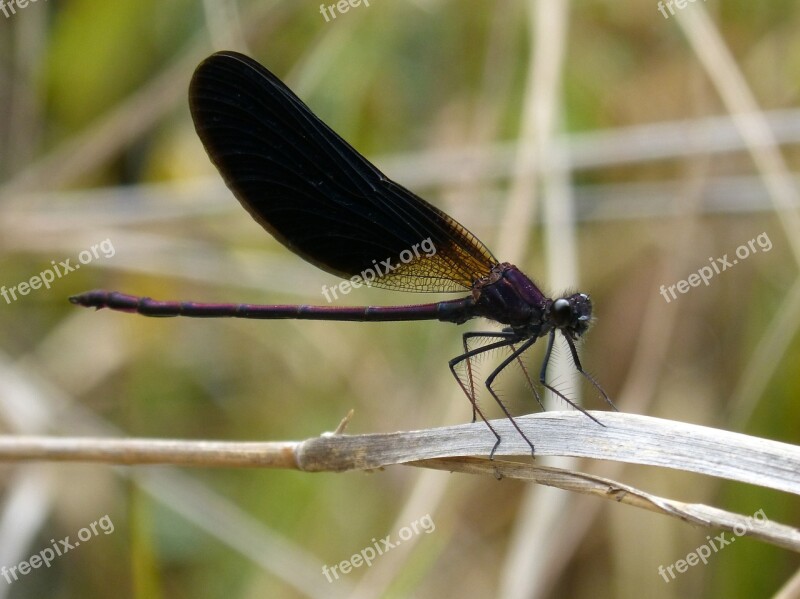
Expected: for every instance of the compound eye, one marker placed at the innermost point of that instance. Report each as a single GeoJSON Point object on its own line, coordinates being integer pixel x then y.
{"type": "Point", "coordinates": [561, 312]}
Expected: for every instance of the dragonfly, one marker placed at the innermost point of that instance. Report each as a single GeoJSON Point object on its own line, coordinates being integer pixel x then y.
{"type": "Point", "coordinates": [328, 204]}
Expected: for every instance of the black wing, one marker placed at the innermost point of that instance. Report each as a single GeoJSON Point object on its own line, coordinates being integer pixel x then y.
{"type": "Point", "coordinates": [315, 193]}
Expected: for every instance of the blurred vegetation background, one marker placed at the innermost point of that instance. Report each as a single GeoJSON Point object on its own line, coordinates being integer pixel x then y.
{"type": "Point", "coordinates": [598, 145]}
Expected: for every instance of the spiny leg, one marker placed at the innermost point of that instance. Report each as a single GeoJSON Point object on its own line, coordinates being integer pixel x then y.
{"type": "Point", "coordinates": [515, 355]}
{"type": "Point", "coordinates": [531, 386]}
{"type": "Point", "coordinates": [508, 339]}
{"type": "Point", "coordinates": [543, 377]}
{"type": "Point", "coordinates": [496, 335]}
{"type": "Point", "coordinates": [588, 376]}
{"type": "Point", "coordinates": [465, 343]}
